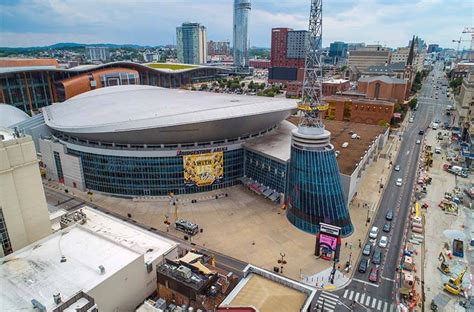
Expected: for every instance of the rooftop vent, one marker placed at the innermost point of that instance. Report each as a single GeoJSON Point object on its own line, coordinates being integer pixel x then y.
{"type": "Point", "coordinates": [101, 269]}
{"type": "Point", "coordinates": [57, 298]}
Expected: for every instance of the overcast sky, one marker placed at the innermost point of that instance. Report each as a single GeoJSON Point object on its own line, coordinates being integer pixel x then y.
{"type": "Point", "coordinates": [153, 22]}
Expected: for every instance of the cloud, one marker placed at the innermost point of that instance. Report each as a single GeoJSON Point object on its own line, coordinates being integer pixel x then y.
{"type": "Point", "coordinates": [154, 22]}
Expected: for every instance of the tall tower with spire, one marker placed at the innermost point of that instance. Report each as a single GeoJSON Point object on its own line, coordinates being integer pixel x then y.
{"type": "Point", "coordinates": [408, 73]}
{"type": "Point", "coordinates": [315, 190]}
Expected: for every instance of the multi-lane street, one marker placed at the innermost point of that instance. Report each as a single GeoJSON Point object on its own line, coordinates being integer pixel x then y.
{"type": "Point", "coordinates": [361, 294]}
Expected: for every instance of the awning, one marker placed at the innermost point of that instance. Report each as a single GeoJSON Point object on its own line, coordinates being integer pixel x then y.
{"type": "Point", "coordinates": [189, 257]}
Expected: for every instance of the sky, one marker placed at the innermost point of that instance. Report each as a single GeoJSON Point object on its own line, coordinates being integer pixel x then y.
{"type": "Point", "coordinates": [391, 23]}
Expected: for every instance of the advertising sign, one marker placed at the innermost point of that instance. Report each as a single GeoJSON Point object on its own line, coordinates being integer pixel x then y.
{"type": "Point", "coordinates": [203, 169]}
{"type": "Point", "coordinates": [328, 241]}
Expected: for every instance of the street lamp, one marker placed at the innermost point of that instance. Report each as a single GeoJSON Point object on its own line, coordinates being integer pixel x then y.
{"type": "Point", "coordinates": [282, 261]}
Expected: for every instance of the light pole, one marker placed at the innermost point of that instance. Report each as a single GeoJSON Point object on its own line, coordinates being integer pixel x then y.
{"type": "Point", "coordinates": [282, 261]}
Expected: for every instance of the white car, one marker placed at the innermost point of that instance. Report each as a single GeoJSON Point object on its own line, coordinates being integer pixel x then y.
{"type": "Point", "coordinates": [399, 182]}
{"type": "Point", "coordinates": [418, 142]}
{"type": "Point", "coordinates": [374, 232]}
{"type": "Point", "coordinates": [397, 168]}
{"type": "Point", "coordinates": [383, 241]}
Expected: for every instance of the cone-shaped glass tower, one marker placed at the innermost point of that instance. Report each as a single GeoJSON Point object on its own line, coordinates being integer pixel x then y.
{"type": "Point", "coordinates": [315, 190]}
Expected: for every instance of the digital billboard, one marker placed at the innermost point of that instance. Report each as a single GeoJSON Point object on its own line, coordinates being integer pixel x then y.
{"type": "Point", "coordinates": [203, 169]}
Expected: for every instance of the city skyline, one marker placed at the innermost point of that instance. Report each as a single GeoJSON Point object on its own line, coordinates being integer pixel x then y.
{"type": "Point", "coordinates": [390, 23]}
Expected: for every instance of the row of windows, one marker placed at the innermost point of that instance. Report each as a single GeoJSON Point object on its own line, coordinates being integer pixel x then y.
{"type": "Point", "coordinates": [369, 107]}
{"type": "Point", "coordinates": [266, 171]}
{"type": "Point", "coordinates": [137, 176]}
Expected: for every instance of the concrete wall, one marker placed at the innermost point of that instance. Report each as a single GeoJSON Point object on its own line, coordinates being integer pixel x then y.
{"type": "Point", "coordinates": [71, 165]}
{"type": "Point", "coordinates": [22, 196]}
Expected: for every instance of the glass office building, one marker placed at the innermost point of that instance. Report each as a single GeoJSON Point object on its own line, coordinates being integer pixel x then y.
{"type": "Point", "coordinates": [191, 43]}
{"type": "Point", "coordinates": [315, 191]}
{"type": "Point", "coordinates": [241, 40]}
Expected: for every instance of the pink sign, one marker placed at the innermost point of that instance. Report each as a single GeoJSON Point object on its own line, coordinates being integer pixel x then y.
{"type": "Point", "coordinates": [328, 241]}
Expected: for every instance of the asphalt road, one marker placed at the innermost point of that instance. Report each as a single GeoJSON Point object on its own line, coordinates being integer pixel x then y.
{"type": "Point", "coordinates": [68, 202]}
{"type": "Point", "coordinates": [380, 296]}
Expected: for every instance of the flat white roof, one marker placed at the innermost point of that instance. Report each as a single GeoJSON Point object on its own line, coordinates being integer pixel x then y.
{"type": "Point", "coordinates": [36, 271]}
{"type": "Point", "coordinates": [150, 245]}
{"type": "Point", "coordinates": [276, 144]}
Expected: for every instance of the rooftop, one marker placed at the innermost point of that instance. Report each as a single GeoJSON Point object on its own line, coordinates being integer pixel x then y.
{"type": "Point", "coordinates": [276, 144]}
{"type": "Point", "coordinates": [170, 66]}
{"type": "Point", "coordinates": [36, 272]}
{"type": "Point", "coordinates": [10, 115]}
{"type": "Point", "coordinates": [349, 157]}
{"type": "Point", "coordinates": [385, 79]}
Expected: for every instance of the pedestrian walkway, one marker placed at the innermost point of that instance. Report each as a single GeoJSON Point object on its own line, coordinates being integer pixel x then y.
{"type": "Point", "coordinates": [327, 302]}
{"type": "Point", "coordinates": [372, 303]}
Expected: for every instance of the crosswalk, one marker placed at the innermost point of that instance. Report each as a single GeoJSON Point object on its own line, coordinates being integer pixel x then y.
{"type": "Point", "coordinates": [327, 302]}
{"type": "Point", "coordinates": [370, 302]}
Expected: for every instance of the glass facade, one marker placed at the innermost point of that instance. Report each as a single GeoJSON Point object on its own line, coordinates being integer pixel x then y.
{"type": "Point", "coordinates": [315, 192]}
{"type": "Point", "coordinates": [241, 42]}
{"type": "Point", "coordinates": [5, 239]}
{"type": "Point", "coordinates": [266, 171]}
{"type": "Point", "coordinates": [150, 176]}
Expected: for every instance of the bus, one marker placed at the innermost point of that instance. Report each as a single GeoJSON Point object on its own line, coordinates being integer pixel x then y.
{"type": "Point", "coordinates": [186, 227]}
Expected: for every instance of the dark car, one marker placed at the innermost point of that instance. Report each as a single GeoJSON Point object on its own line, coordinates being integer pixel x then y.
{"type": "Point", "coordinates": [363, 265]}
{"type": "Point", "coordinates": [387, 226]}
{"type": "Point", "coordinates": [421, 132]}
{"type": "Point", "coordinates": [377, 256]}
{"type": "Point", "coordinates": [389, 215]}
{"type": "Point", "coordinates": [367, 249]}
{"type": "Point", "coordinates": [374, 274]}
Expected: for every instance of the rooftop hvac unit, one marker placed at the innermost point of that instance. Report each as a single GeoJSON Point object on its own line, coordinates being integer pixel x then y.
{"type": "Point", "coordinates": [101, 269]}
{"type": "Point", "coordinates": [345, 144]}
{"type": "Point", "coordinates": [184, 272]}
{"type": "Point", "coordinates": [354, 136]}
{"type": "Point", "coordinates": [57, 298]}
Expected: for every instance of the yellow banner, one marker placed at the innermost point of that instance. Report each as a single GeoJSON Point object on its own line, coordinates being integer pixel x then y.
{"type": "Point", "coordinates": [203, 169]}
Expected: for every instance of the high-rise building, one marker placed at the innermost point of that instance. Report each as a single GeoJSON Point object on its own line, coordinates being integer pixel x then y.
{"type": "Point", "coordinates": [400, 55]}
{"type": "Point", "coordinates": [97, 54]}
{"type": "Point", "coordinates": [338, 49]}
{"type": "Point", "coordinates": [433, 48]}
{"type": "Point", "coordinates": [24, 216]}
{"type": "Point", "coordinates": [191, 43]}
{"type": "Point", "coordinates": [370, 55]}
{"type": "Point", "coordinates": [241, 40]}
{"type": "Point", "coordinates": [218, 48]}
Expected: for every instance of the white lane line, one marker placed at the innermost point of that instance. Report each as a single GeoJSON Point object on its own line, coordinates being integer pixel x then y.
{"type": "Point", "coordinates": [366, 283]}
{"type": "Point", "coordinates": [356, 298]}
{"type": "Point", "coordinates": [329, 295]}
{"type": "Point", "coordinates": [385, 306]}
{"type": "Point", "coordinates": [351, 294]}
{"type": "Point", "coordinates": [367, 302]}
{"type": "Point", "coordinates": [392, 308]}
{"type": "Point", "coordinates": [388, 279]}
{"type": "Point", "coordinates": [374, 302]}
{"type": "Point", "coordinates": [345, 293]}
{"type": "Point", "coordinates": [379, 306]}
{"type": "Point", "coordinates": [362, 298]}
{"type": "Point", "coordinates": [329, 304]}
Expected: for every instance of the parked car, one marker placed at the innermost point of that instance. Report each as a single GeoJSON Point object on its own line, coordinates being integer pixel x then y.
{"type": "Point", "coordinates": [387, 226]}
{"type": "Point", "coordinates": [367, 249]}
{"type": "Point", "coordinates": [389, 215]}
{"type": "Point", "coordinates": [363, 265]}
{"type": "Point", "coordinates": [377, 256]}
{"type": "Point", "coordinates": [397, 168]}
{"type": "Point", "coordinates": [374, 232]}
{"type": "Point", "coordinates": [383, 241]}
{"type": "Point", "coordinates": [399, 182]}
{"type": "Point", "coordinates": [374, 275]}
{"type": "Point", "coordinates": [421, 132]}
{"type": "Point", "coordinates": [418, 142]}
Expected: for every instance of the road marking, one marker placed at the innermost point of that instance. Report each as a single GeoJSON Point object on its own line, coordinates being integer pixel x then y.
{"type": "Point", "coordinates": [329, 295]}
{"type": "Point", "coordinates": [327, 303]}
{"type": "Point", "coordinates": [392, 308]}
{"type": "Point", "coordinates": [345, 293]}
{"type": "Point", "coordinates": [367, 301]}
{"type": "Point", "coordinates": [352, 294]}
{"type": "Point", "coordinates": [366, 283]}
{"type": "Point", "coordinates": [379, 306]}
{"type": "Point", "coordinates": [388, 279]}
{"type": "Point", "coordinates": [362, 298]}
{"type": "Point", "coordinates": [374, 302]}
{"type": "Point", "coordinates": [408, 152]}
{"type": "Point", "coordinates": [385, 306]}
{"type": "Point", "coordinates": [356, 298]}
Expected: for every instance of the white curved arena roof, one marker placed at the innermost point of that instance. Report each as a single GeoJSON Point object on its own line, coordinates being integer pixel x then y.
{"type": "Point", "coordinates": [10, 115]}
{"type": "Point", "coordinates": [104, 113]}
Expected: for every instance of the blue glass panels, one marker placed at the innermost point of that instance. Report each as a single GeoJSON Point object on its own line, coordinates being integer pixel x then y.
{"type": "Point", "coordinates": [266, 171]}
{"type": "Point", "coordinates": [315, 192]}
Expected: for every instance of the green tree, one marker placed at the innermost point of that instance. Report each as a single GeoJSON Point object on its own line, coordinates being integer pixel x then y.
{"type": "Point", "coordinates": [412, 103]}
{"type": "Point", "coordinates": [234, 85]}
{"type": "Point", "coordinates": [251, 85]}
{"type": "Point", "coordinates": [242, 84]}
{"type": "Point", "coordinates": [261, 86]}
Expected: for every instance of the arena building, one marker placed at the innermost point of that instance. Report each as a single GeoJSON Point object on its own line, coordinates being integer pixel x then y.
{"type": "Point", "coordinates": [148, 141]}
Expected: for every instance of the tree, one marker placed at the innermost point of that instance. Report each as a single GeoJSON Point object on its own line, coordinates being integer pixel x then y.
{"type": "Point", "coordinates": [234, 85]}
{"type": "Point", "coordinates": [215, 84]}
{"type": "Point", "coordinates": [251, 85]}
{"type": "Point", "coordinates": [455, 83]}
{"type": "Point", "coordinates": [412, 103]}
{"type": "Point", "coordinates": [193, 88]}
{"type": "Point", "coordinates": [242, 84]}
{"type": "Point", "coordinates": [261, 86]}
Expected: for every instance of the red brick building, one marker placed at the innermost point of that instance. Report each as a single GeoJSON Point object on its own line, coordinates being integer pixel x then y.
{"type": "Point", "coordinates": [359, 109]}
{"type": "Point", "coordinates": [383, 87]}
{"type": "Point", "coordinates": [260, 63]}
